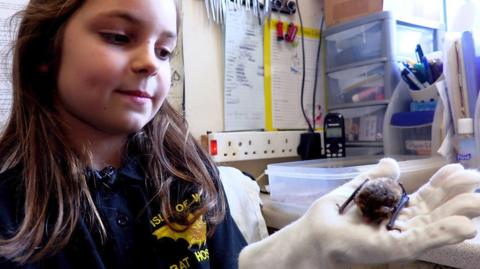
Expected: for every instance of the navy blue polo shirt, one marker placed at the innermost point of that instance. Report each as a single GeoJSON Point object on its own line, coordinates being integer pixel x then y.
{"type": "Point", "coordinates": [137, 236]}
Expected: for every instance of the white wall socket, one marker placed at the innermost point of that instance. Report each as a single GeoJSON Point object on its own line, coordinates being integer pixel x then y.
{"type": "Point", "coordinates": [239, 146]}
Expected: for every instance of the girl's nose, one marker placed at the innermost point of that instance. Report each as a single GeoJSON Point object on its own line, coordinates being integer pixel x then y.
{"type": "Point", "coordinates": [145, 62]}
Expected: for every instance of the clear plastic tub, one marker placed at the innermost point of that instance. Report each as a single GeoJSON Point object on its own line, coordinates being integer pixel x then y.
{"type": "Point", "coordinates": [303, 182]}
{"type": "Point", "coordinates": [363, 124]}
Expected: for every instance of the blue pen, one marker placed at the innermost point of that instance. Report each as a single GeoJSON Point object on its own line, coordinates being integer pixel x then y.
{"type": "Point", "coordinates": [423, 66]}
{"type": "Point", "coordinates": [419, 73]}
{"type": "Point", "coordinates": [427, 70]}
{"type": "Point", "coordinates": [419, 53]}
{"type": "Point", "coordinates": [411, 85]}
{"type": "Point", "coordinates": [411, 79]}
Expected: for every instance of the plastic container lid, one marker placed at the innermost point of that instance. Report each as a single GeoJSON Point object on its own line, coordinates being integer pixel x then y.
{"type": "Point", "coordinates": [465, 126]}
{"type": "Point", "coordinates": [348, 167]}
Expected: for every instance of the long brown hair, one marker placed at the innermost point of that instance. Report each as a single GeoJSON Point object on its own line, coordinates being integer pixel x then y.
{"type": "Point", "coordinates": [53, 171]}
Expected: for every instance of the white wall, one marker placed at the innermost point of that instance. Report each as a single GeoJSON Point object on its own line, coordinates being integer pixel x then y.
{"type": "Point", "coordinates": [203, 60]}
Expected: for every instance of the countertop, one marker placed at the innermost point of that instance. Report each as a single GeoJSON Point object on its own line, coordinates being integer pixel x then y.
{"type": "Point", "coordinates": [464, 255]}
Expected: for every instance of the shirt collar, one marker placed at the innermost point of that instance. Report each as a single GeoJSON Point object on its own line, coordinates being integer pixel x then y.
{"type": "Point", "coordinates": [131, 168]}
{"type": "Point", "coordinates": [131, 172]}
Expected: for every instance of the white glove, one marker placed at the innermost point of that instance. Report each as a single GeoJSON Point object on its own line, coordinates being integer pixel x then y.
{"type": "Point", "coordinates": [438, 214]}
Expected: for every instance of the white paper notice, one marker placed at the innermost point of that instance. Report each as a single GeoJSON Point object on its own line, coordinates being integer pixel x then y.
{"type": "Point", "coordinates": [286, 69]}
{"type": "Point", "coordinates": [7, 9]}
{"type": "Point", "coordinates": [244, 86]}
{"type": "Point", "coordinates": [175, 96]}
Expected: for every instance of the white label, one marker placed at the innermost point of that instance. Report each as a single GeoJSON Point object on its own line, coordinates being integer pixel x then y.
{"type": "Point", "coordinates": [466, 152]}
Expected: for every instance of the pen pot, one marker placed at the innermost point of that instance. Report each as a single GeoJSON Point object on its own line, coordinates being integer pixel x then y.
{"type": "Point", "coordinates": [427, 94]}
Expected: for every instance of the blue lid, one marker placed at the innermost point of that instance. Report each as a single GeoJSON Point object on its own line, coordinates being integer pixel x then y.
{"type": "Point", "coordinates": [411, 119]}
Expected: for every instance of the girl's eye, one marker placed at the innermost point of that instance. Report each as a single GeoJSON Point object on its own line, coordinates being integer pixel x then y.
{"type": "Point", "coordinates": [116, 39]}
{"type": "Point", "coordinates": [163, 54]}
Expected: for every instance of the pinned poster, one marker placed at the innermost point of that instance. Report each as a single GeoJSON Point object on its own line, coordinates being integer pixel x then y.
{"type": "Point", "coordinates": [283, 79]}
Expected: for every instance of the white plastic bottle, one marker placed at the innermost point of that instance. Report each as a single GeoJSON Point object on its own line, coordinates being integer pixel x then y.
{"type": "Point", "coordinates": [465, 143]}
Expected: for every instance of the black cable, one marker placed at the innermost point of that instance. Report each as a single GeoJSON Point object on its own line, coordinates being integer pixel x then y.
{"type": "Point", "coordinates": [316, 72]}
{"type": "Point", "coordinates": [303, 68]}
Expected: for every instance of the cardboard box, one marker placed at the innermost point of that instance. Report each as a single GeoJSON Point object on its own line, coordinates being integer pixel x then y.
{"type": "Point", "coordinates": [338, 11]}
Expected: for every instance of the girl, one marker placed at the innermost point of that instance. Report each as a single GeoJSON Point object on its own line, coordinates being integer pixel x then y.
{"type": "Point", "coordinates": [98, 171]}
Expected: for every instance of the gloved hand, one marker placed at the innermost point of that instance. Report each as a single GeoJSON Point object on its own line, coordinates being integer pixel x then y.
{"type": "Point", "coordinates": [438, 214]}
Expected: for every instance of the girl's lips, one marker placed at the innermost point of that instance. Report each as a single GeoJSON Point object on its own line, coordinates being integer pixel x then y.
{"type": "Point", "coordinates": [135, 93]}
{"type": "Point", "coordinates": [135, 97]}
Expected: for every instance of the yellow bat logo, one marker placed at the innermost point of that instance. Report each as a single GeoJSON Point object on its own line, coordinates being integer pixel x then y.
{"type": "Point", "coordinates": [194, 235]}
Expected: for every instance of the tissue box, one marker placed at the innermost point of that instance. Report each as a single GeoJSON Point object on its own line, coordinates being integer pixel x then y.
{"type": "Point", "coordinates": [337, 11]}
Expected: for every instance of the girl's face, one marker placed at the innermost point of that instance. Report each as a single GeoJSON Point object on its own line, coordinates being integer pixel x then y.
{"type": "Point", "coordinates": [115, 72]}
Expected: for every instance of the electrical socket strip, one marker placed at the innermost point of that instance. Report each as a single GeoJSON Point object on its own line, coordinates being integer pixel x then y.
{"type": "Point", "coordinates": [239, 146]}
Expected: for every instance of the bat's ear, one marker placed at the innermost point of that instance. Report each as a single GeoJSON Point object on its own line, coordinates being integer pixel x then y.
{"type": "Point", "coordinates": [386, 167]}
{"type": "Point", "coordinates": [341, 208]}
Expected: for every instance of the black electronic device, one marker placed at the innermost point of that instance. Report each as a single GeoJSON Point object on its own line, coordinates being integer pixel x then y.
{"type": "Point", "coordinates": [334, 135]}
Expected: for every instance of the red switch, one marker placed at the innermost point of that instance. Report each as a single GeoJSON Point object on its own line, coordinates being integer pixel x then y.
{"type": "Point", "coordinates": [213, 147]}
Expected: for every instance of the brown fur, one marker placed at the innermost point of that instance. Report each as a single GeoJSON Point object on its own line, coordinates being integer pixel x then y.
{"type": "Point", "coordinates": [378, 198]}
